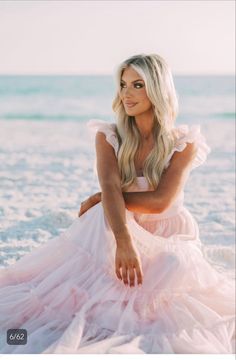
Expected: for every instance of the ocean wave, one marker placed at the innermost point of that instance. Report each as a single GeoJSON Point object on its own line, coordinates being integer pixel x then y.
{"type": "Point", "coordinates": [40, 116]}
{"type": "Point", "coordinates": [46, 117]}
{"type": "Point", "coordinates": [224, 115]}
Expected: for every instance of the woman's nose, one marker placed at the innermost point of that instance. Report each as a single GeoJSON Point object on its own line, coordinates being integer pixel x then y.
{"type": "Point", "coordinates": [127, 91]}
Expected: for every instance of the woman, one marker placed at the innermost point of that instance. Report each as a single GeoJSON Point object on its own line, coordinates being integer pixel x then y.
{"type": "Point", "coordinates": [128, 276]}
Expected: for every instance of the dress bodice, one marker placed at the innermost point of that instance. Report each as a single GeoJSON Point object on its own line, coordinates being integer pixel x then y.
{"type": "Point", "coordinates": [183, 134]}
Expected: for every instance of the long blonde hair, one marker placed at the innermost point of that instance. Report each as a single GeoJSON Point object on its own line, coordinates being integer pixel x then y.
{"type": "Point", "coordinates": [161, 92]}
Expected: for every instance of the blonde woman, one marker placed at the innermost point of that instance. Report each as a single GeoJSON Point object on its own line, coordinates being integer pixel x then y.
{"type": "Point", "coordinates": [128, 276]}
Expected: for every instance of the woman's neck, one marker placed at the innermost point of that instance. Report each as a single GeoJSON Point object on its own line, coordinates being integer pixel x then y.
{"type": "Point", "coordinates": [144, 123]}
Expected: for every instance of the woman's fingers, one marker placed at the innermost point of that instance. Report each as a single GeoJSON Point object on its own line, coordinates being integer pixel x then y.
{"type": "Point", "coordinates": [131, 276]}
{"type": "Point", "coordinates": [124, 275]}
{"type": "Point", "coordinates": [128, 270]}
{"type": "Point", "coordinates": [118, 273]}
{"type": "Point", "coordinates": [84, 206]}
{"type": "Point", "coordinates": [139, 273]}
{"type": "Point", "coordinates": [128, 275]}
{"type": "Point", "coordinates": [81, 211]}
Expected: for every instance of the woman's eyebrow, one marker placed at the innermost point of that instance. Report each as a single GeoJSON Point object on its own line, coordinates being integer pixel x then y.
{"type": "Point", "coordinates": [133, 81]}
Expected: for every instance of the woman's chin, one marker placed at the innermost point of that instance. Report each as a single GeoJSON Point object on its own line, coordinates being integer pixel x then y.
{"type": "Point", "coordinates": [131, 112]}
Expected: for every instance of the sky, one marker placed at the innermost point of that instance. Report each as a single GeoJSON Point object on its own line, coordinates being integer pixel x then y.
{"type": "Point", "coordinates": [93, 37]}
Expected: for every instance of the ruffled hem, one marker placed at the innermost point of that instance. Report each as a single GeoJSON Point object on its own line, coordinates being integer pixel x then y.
{"type": "Point", "coordinates": [140, 323]}
{"type": "Point", "coordinates": [195, 339]}
{"type": "Point", "coordinates": [188, 134]}
{"type": "Point", "coordinates": [167, 321]}
{"type": "Point", "coordinates": [183, 306]}
{"type": "Point", "coordinates": [212, 338]}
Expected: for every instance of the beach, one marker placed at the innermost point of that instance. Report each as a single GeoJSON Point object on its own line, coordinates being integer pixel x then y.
{"type": "Point", "coordinates": [47, 159]}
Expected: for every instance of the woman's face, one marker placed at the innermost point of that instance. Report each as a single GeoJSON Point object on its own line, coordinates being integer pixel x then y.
{"type": "Point", "coordinates": [133, 93]}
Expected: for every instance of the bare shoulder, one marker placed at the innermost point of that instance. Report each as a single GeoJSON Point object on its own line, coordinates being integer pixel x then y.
{"type": "Point", "coordinates": [103, 148]}
{"type": "Point", "coordinates": [186, 155]}
{"type": "Point", "coordinates": [107, 164]}
{"type": "Point", "coordinates": [101, 139]}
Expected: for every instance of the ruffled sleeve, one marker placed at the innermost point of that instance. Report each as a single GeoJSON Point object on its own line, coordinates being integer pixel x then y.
{"type": "Point", "coordinates": [106, 128]}
{"type": "Point", "coordinates": [189, 134]}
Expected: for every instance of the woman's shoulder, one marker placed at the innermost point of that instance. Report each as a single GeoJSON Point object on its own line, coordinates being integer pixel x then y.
{"type": "Point", "coordinates": [184, 134]}
{"type": "Point", "coordinates": [97, 125]}
{"type": "Point", "coordinates": [107, 128]}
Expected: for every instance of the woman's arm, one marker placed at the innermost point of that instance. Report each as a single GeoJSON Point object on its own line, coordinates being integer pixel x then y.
{"type": "Point", "coordinates": [109, 179]}
{"type": "Point", "coordinates": [127, 258]}
{"type": "Point", "coordinates": [171, 183]}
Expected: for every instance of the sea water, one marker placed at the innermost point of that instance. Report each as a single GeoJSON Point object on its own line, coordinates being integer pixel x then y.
{"type": "Point", "coordinates": [47, 157]}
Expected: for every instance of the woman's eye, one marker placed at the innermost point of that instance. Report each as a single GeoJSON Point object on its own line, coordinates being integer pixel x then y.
{"type": "Point", "coordinates": [138, 85]}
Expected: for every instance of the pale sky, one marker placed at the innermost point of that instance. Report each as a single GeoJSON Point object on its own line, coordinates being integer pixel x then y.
{"type": "Point", "coordinates": [92, 37]}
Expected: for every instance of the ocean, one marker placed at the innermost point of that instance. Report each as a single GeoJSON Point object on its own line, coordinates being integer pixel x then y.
{"type": "Point", "coordinates": [47, 158]}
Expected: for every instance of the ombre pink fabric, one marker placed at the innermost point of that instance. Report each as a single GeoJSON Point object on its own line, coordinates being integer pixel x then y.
{"type": "Point", "coordinates": [66, 293]}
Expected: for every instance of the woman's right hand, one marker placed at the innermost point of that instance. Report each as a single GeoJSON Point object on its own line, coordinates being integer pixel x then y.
{"type": "Point", "coordinates": [127, 262]}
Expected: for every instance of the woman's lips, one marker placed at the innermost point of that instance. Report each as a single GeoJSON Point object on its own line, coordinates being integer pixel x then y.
{"type": "Point", "coordinates": [129, 104]}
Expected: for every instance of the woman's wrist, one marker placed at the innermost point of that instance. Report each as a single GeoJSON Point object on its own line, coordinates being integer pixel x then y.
{"type": "Point", "coordinates": [122, 236]}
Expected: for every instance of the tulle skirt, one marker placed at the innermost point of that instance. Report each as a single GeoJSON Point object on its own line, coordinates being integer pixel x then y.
{"type": "Point", "coordinates": [65, 293]}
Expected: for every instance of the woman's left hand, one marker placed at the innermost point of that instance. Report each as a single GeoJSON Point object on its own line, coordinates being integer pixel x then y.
{"type": "Point", "coordinates": [88, 203]}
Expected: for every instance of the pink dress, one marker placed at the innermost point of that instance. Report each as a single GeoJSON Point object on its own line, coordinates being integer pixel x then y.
{"type": "Point", "coordinates": [65, 293]}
